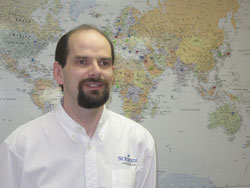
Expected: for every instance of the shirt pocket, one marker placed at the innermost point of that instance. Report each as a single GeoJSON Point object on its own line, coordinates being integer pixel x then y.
{"type": "Point", "coordinates": [123, 178]}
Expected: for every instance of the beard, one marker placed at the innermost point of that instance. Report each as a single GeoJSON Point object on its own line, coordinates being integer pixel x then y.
{"type": "Point", "coordinates": [93, 99]}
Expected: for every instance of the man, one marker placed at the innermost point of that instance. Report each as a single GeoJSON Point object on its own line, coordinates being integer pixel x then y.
{"type": "Point", "coordinates": [80, 144]}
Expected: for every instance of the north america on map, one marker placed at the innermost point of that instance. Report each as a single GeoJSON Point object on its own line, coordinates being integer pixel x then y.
{"type": "Point", "coordinates": [182, 71]}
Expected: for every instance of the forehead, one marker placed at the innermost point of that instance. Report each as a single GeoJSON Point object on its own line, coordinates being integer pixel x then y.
{"type": "Point", "coordinates": [88, 39]}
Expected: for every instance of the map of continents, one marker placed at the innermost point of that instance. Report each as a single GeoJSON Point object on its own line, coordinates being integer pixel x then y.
{"type": "Point", "coordinates": [182, 71]}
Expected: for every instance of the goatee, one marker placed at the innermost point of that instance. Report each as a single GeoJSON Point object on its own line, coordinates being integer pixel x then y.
{"type": "Point", "coordinates": [95, 98]}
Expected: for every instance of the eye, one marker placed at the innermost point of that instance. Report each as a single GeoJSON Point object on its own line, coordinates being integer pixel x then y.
{"type": "Point", "coordinates": [105, 63]}
{"type": "Point", "coordinates": [82, 61]}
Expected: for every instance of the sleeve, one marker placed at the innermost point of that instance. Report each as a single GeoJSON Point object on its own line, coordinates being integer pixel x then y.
{"type": "Point", "coordinates": [146, 178]}
{"type": "Point", "coordinates": [10, 167]}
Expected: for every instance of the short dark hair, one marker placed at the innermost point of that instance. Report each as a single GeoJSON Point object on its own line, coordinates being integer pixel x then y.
{"type": "Point", "coordinates": [62, 49]}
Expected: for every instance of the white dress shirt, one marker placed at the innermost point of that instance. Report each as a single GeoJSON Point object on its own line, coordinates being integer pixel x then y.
{"type": "Point", "coordinates": [53, 151]}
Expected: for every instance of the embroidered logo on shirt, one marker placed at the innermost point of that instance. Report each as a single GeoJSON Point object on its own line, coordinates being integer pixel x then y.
{"type": "Point", "coordinates": [128, 160]}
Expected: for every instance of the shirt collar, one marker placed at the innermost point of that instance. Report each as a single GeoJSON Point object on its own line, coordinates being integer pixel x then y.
{"type": "Point", "coordinates": [73, 129]}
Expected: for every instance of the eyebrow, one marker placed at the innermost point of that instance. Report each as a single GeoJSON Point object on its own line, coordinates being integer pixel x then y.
{"type": "Point", "coordinates": [81, 57]}
{"type": "Point", "coordinates": [87, 57]}
{"type": "Point", "coordinates": [106, 58]}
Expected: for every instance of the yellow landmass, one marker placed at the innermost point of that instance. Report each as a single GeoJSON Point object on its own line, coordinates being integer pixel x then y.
{"type": "Point", "coordinates": [138, 41]}
{"type": "Point", "coordinates": [211, 91]}
{"type": "Point", "coordinates": [152, 69]}
{"type": "Point", "coordinates": [130, 73]}
{"type": "Point", "coordinates": [12, 66]}
{"type": "Point", "coordinates": [41, 85]}
{"type": "Point", "coordinates": [10, 63]}
{"type": "Point", "coordinates": [183, 29]}
{"type": "Point", "coordinates": [45, 93]}
{"type": "Point", "coordinates": [185, 17]}
{"type": "Point", "coordinates": [128, 12]}
{"type": "Point", "coordinates": [228, 117]}
{"type": "Point", "coordinates": [194, 22]}
{"type": "Point", "coordinates": [207, 94]}
{"type": "Point", "coordinates": [232, 96]}
{"type": "Point", "coordinates": [197, 50]}
{"type": "Point", "coordinates": [139, 77]}
{"type": "Point", "coordinates": [134, 109]}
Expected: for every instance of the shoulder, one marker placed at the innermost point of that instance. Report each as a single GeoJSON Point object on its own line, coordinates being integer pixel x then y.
{"type": "Point", "coordinates": [34, 126]}
{"type": "Point", "coordinates": [128, 128]}
{"type": "Point", "coordinates": [125, 123]}
{"type": "Point", "coordinates": [27, 133]}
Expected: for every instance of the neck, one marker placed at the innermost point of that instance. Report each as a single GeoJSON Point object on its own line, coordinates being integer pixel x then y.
{"type": "Point", "coordinates": [87, 118]}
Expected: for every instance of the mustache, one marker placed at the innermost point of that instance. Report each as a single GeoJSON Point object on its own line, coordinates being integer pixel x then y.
{"type": "Point", "coordinates": [91, 80]}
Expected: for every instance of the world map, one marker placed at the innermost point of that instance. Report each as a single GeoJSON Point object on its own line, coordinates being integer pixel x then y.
{"type": "Point", "coordinates": [182, 71]}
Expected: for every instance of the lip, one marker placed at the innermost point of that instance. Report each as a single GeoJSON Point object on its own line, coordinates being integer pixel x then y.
{"type": "Point", "coordinates": [93, 85]}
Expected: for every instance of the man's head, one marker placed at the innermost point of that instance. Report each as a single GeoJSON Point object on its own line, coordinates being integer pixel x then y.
{"type": "Point", "coordinates": [84, 66]}
{"type": "Point", "coordinates": [62, 49]}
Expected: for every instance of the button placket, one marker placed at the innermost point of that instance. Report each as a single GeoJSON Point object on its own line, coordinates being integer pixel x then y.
{"type": "Point", "coordinates": [91, 166]}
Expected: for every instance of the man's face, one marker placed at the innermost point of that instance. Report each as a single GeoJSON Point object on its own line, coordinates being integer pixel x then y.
{"type": "Point", "coordinates": [88, 74]}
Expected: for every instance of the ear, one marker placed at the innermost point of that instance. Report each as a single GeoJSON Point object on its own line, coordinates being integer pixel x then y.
{"type": "Point", "coordinates": [58, 73]}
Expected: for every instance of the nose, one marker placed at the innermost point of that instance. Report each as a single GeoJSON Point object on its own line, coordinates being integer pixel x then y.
{"type": "Point", "coordinates": [95, 70]}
